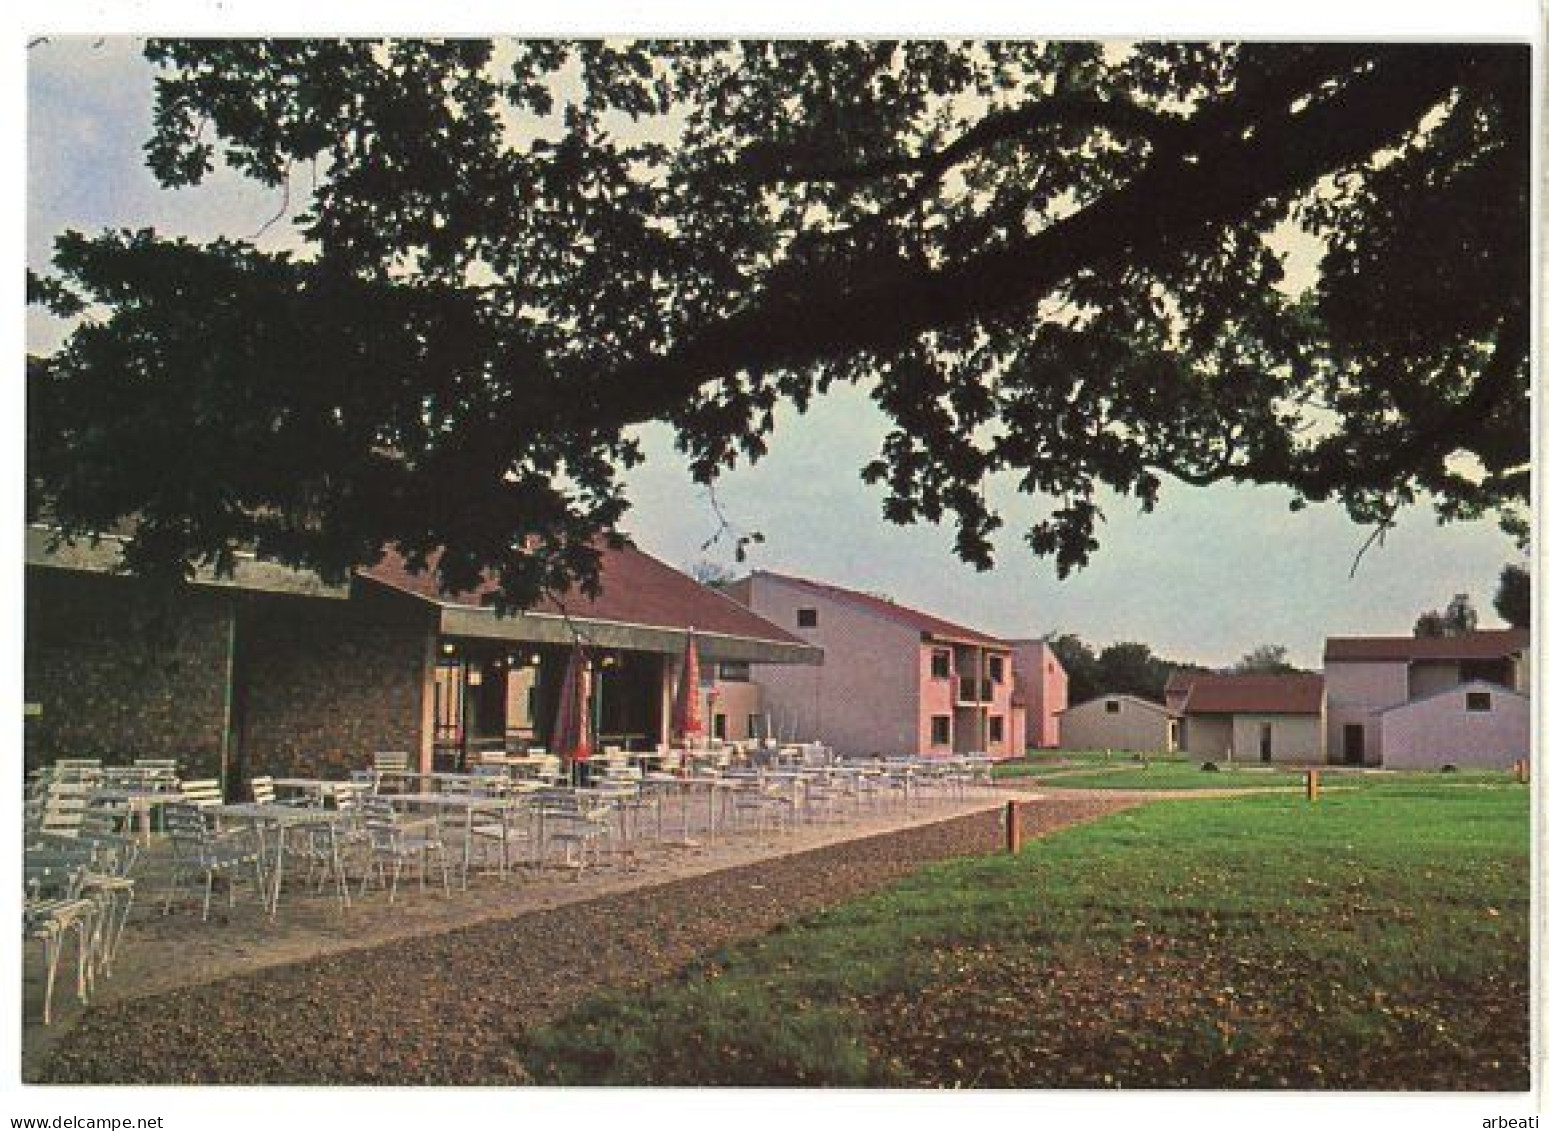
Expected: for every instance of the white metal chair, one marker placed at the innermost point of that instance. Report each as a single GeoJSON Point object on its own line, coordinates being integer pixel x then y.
{"type": "Point", "coordinates": [53, 909]}
{"type": "Point", "coordinates": [199, 850]}
{"type": "Point", "coordinates": [390, 839]}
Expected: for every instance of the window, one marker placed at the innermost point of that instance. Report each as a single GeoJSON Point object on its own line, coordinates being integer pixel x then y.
{"type": "Point", "coordinates": [998, 669]}
{"type": "Point", "coordinates": [735, 671]}
{"type": "Point", "coordinates": [941, 730]}
{"type": "Point", "coordinates": [806, 618]}
{"type": "Point", "coordinates": [1477, 701]}
{"type": "Point", "coordinates": [754, 723]}
{"type": "Point", "coordinates": [941, 663]}
{"type": "Point", "coordinates": [1111, 706]}
{"type": "Point", "coordinates": [718, 727]}
{"type": "Point", "coordinates": [997, 728]}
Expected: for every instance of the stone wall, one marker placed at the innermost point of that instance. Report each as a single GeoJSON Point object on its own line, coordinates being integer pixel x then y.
{"type": "Point", "coordinates": [113, 673]}
{"type": "Point", "coordinates": [324, 686]}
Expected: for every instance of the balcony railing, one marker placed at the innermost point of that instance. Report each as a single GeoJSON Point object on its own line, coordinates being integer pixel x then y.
{"type": "Point", "coordinates": [971, 690]}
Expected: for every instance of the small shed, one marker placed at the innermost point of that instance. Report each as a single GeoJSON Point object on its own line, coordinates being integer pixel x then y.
{"type": "Point", "coordinates": [1118, 722]}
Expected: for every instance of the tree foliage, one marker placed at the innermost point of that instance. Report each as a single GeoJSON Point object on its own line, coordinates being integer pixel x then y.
{"type": "Point", "coordinates": [1050, 263]}
{"type": "Point", "coordinates": [1266, 659]}
{"type": "Point", "coordinates": [1124, 668]}
{"type": "Point", "coordinates": [1514, 596]}
{"type": "Point", "coordinates": [1458, 619]}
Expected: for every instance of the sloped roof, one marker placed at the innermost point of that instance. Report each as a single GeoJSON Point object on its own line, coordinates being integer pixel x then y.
{"type": "Point", "coordinates": [637, 589]}
{"type": "Point", "coordinates": [1148, 704]}
{"type": "Point", "coordinates": [1487, 644]}
{"type": "Point", "coordinates": [1458, 690]}
{"type": "Point", "coordinates": [899, 614]}
{"type": "Point", "coordinates": [1254, 694]}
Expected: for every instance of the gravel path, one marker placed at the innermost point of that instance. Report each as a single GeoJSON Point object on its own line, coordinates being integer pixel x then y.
{"type": "Point", "coordinates": [450, 1008]}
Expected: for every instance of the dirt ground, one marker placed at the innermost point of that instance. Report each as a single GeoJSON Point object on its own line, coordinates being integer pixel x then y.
{"type": "Point", "coordinates": [240, 950]}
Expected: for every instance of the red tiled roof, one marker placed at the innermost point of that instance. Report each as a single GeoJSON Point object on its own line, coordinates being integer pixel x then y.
{"type": "Point", "coordinates": [901, 614]}
{"type": "Point", "coordinates": [636, 589]}
{"type": "Point", "coordinates": [1488, 644]}
{"type": "Point", "coordinates": [1255, 694]}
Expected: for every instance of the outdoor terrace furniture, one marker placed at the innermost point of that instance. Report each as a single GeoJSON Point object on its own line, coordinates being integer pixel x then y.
{"type": "Point", "coordinates": [392, 840]}
{"type": "Point", "coordinates": [54, 909]}
{"type": "Point", "coordinates": [386, 762]}
{"type": "Point", "coordinates": [270, 827]}
{"type": "Point", "coordinates": [503, 828]}
{"type": "Point", "coordinates": [325, 844]}
{"type": "Point", "coordinates": [198, 850]}
{"type": "Point", "coordinates": [107, 860]}
{"type": "Point", "coordinates": [58, 808]}
{"type": "Point", "coordinates": [132, 805]}
{"type": "Point", "coordinates": [580, 824]}
{"type": "Point", "coordinates": [202, 793]}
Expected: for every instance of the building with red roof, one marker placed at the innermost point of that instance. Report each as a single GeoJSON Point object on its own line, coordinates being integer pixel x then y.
{"type": "Point", "coordinates": [1259, 718]}
{"type": "Point", "coordinates": [1419, 701]}
{"type": "Point", "coordinates": [895, 680]}
{"type": "Point", "coordinates": [272, 671]}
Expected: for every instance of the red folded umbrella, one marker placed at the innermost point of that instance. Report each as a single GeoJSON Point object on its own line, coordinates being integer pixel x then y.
{"type": "Point", "coordinates": [686, 717]}
{"type": "Point", "coordinates": [572, 740]}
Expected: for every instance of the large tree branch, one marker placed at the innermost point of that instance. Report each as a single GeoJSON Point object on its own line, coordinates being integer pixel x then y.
{"type": "Point", "coordinates": [1171, 200]}
{"type": "Point", "coordinates": [781, 164]}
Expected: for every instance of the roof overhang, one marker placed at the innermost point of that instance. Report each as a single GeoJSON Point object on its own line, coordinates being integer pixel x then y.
{"type": "Point", "coordinates": [104, 554]}
{"type": "Point", "coordinates": [964, 642]}
{"type": "Point", "coordinates": [547, 628]}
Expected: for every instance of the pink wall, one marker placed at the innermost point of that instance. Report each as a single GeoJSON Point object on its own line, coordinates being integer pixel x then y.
{"type": "Point", "coordinates": [1354, 693]}
{"type": "Point", "coordinates": [1430, 733]}
{"type": "Point", "coordinates": [1048, 692]}
{"type": "Point", "coordinates": [863, 698]}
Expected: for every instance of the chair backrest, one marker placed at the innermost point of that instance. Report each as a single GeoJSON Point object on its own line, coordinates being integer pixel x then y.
{"type": "Point", "coordinates": [184, 823]}
{"type": "Point", "coordinates": [349, 798]}
{"type": "Point", "coordinates": [160, 773]}
{"type": "Point", "coordinates": [396, 761]}
{"type": "Point", "coordinates": [262, 789]}
{"type": "Point", "coordinates": [381, 821]}
{"type": "Point", "coordinates": [202, 792]}
{"type": "Point", "coordinates": [63, 808]}
{"type": "Point", "coordinates": [52, 873]}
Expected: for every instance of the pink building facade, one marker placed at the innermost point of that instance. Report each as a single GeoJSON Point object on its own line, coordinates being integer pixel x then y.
{"type": "Point", "coordinates": [1044, 688]}
{"type": "Point", "coordinates": [1397, 700]}
{"type": "Point", "coordinates": [894, 680]}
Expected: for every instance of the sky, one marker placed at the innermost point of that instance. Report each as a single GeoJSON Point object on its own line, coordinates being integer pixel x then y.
{"type": "Point", "coordinates": [1208, 576]}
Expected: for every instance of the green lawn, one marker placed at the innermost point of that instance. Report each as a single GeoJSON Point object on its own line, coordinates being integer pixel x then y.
{"type": "Point", "coordinates": [1102, 770]}
{"type": "Point", "coordinates": [1377, 939]}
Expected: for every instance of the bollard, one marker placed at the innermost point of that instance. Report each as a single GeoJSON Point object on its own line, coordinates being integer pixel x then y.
{"type": "Point", "coordinates": [1013, 827]}
{"type": "Point", "coordinates": [1312, 785]}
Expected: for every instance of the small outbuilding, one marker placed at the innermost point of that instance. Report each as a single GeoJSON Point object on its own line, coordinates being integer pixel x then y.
{"type": "Point", "coordinates": [1476, 725]}
{"type": "Point", "coordinates": [1254, 718]}
{"type": "Point", "coordinates": [1118, 722]}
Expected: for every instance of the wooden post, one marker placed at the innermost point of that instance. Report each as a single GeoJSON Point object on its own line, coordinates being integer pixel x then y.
{"type": "Point", "coordinates": [1519, 768]}
{"type": "Point", "coordinates": [1013, 827]}
{"type": "Point", "coordinates": [1312, 785]}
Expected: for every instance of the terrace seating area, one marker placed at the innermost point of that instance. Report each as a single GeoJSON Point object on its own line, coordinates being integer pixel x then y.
{"type": "Point", "coordinates": [389, 834]}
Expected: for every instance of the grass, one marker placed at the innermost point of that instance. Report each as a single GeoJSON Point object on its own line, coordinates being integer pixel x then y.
{"type": "Point", "coordinates": [1377, 939]}
{"type": "Point", "coordinates": [1173, 771]}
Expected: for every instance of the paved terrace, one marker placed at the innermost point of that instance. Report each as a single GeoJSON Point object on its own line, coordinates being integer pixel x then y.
{"type": "Point", "coordinates": [164, 954]}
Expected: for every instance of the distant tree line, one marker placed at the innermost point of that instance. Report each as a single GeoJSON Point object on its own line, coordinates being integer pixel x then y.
{"type": "Point", "coordinates": [1513, 603]}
